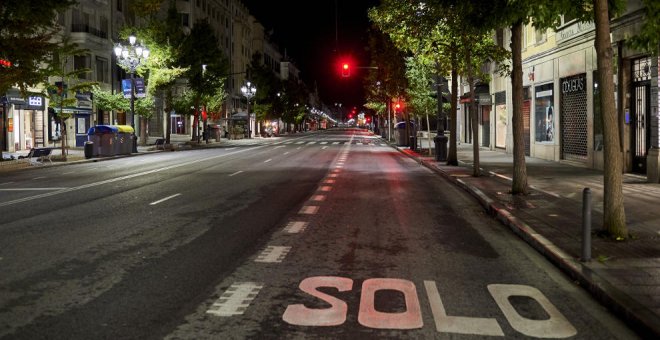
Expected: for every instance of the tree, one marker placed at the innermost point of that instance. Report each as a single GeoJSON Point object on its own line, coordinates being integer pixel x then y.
{"type": "Point", "coordinates": [420, 91]}
{"type": "Point", "coordinates": [108, 101]}
{"type": "Point", "coordinates": [515, 14]}
{"type": "Point", "coordinates": [206, 66]}
{"type": "Point", "coordinates": [267, 84]}
{"type": "Point", "coordinates": [440, 32]}
{"type": "Point", "coordinates": [164, 39]}
{"type": "Point", "coordinates": [614, 217]}
{"type": "Point", "coordinates": [601, 11]}
{"type": "Point", "coordinates": [28, 40]}
{"type": "Point", "coordinates": [388, 80]}
{"type": "Point", "coordinates": [71, 82]}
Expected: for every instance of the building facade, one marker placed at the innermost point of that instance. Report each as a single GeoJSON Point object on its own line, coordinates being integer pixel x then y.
{"type": "Point", "coordinates": [561, 107]}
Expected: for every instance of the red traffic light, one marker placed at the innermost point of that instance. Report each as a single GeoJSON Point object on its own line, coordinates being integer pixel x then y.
{"type": "Point", "coordinates": [345, 70]}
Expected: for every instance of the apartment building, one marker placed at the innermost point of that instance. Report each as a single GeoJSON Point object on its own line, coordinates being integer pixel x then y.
{"type": "Point", "coordinates": [95, 25]}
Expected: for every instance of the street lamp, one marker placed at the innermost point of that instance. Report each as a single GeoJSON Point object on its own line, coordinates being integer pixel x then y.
{"type": "Point", "coordinates": [248, 90]}
{"type": "Point", "coordinates": [129, 58]}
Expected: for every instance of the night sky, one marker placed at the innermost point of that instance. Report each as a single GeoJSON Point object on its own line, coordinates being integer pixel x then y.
{"type": "Point", "coordinates": [306, 31]}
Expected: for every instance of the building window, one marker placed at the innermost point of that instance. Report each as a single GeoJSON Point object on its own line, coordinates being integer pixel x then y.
{"type": "Point", "coordinates": [81, 62]}
{"type": "Point", "coordinates": [499, 37]}
{"type": "Point", "coordinates": [61, 18]}
{"type": "Point", "coordinates": [540, 35]}
{"type": "Point", "coordinates": [566, 18]}
{"type": "Point", "coordinates": [103, 26]}
{"type": "Point", "coordinates": [185, 17]}
{"type": "Point", "coordinates": [120, 5]}
{"type": "Point", "coordinates": [102, 70]}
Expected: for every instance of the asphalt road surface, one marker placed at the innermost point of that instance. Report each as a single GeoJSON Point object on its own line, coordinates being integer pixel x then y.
{"type": "Point", "coordinates": [327, 235]}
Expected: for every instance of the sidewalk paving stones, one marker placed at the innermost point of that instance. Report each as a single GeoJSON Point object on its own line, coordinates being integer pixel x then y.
{"type": "Point", "coordinates": [622, 275]}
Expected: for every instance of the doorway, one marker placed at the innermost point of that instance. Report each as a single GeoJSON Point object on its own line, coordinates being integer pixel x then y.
{"type": "Point", "coordinates": [640, 119]}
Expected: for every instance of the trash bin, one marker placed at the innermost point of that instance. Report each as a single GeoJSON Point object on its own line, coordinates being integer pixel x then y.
{"type": "Point", "coordinates": [400, 133]}
{"type": "Point", "coordinates": [125, 139]}
{"type": "Point", "coordinates": [215, 132]}
{"type": "Point", "coordinates": [103, 140]}
{"type": "Point", "coordinates": [89, 149]}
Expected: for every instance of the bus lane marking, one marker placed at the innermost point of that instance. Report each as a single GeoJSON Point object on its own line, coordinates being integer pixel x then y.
{"type": "Point", "coordinates": [295, 227]}
{"type": "Point", "coordinates": [318, 198]}
{"type": "Point", "coordinates": [309, 210]}
{"type": "Point", "coordinates": [236, 299]}
{"type": "Point", "coordinates": [556, 326]}
{"type": "Point", "coordinates": [273, 254]}
{"type": "Point", "coordinates": [458, 324]}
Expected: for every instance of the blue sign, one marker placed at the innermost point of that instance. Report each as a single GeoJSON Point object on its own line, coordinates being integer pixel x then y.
{"type": "Point", "coordinates": [126, 87]}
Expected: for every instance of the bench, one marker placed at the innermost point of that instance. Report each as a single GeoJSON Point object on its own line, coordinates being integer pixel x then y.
{"type": "Point", "coordinates": [160, 143]}
{"type": "Point", "coordinates": [39, 155]}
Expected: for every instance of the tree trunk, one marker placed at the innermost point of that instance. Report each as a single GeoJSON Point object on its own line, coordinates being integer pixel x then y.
{"type": "Point", "coordinates": [63, 127]}
{"type": "Point", "coordinates": [196, 121]}
{"type": "Point", "coordinates": [168, 118]}
{"type": "Point", "coordinates": [428, 128]}
{"type": "Point", "coordinates": [452, 157]}
{"type": "Point", "coordinates": [474, 117]}
{"type": "Point", "coordinates": [614, 217]}
{"type": "Point", "coordinates": [143, 130]}
{"type": "Point", "coordinates": [519, 183]}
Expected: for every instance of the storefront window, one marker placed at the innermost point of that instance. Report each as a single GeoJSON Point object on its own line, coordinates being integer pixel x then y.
{"type": "Point", "coordinates": [544, 113]}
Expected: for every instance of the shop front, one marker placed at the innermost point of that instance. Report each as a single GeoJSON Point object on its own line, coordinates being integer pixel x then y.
{"type": "Point", "coordinates": [22, 121]}
{"type": "Point", "coordinates": [574, 119]}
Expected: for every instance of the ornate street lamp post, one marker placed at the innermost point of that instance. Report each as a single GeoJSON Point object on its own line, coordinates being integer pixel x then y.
{"type": "Point", "coordinates": [248, 90]}
{"type": "Point", "coordinates": [129, 58]}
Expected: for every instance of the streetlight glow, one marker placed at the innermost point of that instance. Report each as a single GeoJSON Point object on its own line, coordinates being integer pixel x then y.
{"type": "Point", "coordinates": [248, 90]}
{"type": "Point", "coordinates": [130, 58]}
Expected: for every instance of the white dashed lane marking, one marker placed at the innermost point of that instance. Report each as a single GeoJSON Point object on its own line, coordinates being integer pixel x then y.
{"type": "Point", "coordinates": [236, 299]}
{"type": "Point", "coordinates": [273, 254]}
{"type": "Point", "coordinates": [309, 210]}
{"type": "Point", "coordinates": [295, 227]}
{"type": "Point", "coordinates": [318, 198]}
{"type": "Point", "coordinates": [164, 199]}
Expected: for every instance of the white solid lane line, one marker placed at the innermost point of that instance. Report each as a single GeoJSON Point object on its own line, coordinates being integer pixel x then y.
{"type": "Point", "coordinates": [164, 199]}
{"type": "Point", "coordinates": [31, 189]}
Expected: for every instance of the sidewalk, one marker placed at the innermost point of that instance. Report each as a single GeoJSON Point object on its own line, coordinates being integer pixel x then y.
{"type": "Point", "coordinates": [623, 276]}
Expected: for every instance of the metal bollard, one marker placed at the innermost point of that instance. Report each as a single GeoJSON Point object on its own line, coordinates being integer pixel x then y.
{"type": "Point", "coordinates": [586, 225]}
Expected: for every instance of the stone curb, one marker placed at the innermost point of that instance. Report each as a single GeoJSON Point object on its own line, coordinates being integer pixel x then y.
{"type": "Point", "coordinates": [639, 318]}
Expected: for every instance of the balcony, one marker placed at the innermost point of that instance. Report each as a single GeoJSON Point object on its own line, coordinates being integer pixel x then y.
{"type": "Point", "coordinates": [84, 28]}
